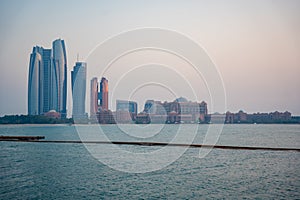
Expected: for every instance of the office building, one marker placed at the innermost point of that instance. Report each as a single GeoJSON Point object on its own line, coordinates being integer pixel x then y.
{"type": "Point", "coordinates": [78, 78]}
{"type": "Point", "coordinates": [47, 79]}
{"type": "Point", "coordinates": [124, 105]}
{"type": "Point", "coordinates": [126, 111]}
{"type": "Point", "coordinates": [103, 94]}
{"type": "Point", "coordinates": [94, 97]}
{"type": "Point", "coordinates": [59, 77]}
{"type": "Point", "coordinates": [34, 86]}
{"type": "Point", "coordinates": [39, 88]}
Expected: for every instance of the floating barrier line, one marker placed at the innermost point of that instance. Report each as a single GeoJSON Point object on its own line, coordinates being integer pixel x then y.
{"type": "Point", "coordinates": [153, 144]}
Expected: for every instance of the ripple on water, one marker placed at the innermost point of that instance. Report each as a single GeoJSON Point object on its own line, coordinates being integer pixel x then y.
{"type": "Point", "coordinates": [68, 171]}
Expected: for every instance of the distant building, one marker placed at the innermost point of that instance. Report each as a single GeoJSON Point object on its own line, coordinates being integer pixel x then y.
{"type": "Point", "coordinates": [230, 118]}
{"type": "Point", "coordinates": [35, 88]}
{"type": "Point", "coordinates": [105, 117]}
{"type": "Point", "coordinates": [203, 112]}
{"type": "Point", "coordinates": [48, 101]}
{"type": "Point", "coordinates": [123, 116]}
{"type": "Point", "coordinates": [278, 116]}
{"type": "Point", "coordinates": [78, 77]}
{"type": "Point", "coordinates": [59, 77]}
{"type": "Point", "coordinates": [216, 118]}
{"type": "Point", "coordinates": [125, 111]}
{"type": "Point", "coordinates": [273, 117]}
{"type": "Point", "coordinates": [173, 117]}
{"type": "Point", "coordinates": [47, 79]}
{"type": "Point", "coordinates": [39, 81]}
{"type": "Point", "coordinates": [94, 97]}
{"type": "Point", "coordinates": [240, 117]}
{"type": "Point", "coordinates": [189, 111]}
{"type": "Point", "coordinates": [103, 114]}
{"type": "Point", "coordinates": [98, 99]}
{"type": "Point", "coordinates": [178, 111]}
{"type": "Point", "coordinates": [130, 106]}
{"type": "Point", "coordinates": [155, 107]}
{"type": "Point", "coordinates": [103, 94]}
{"type": "Point", "coordinates": [143, 118]}
{"type": "Point", "coordinates": [52, 114]}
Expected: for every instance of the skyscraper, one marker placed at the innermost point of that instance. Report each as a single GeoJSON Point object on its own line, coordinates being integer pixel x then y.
{"type": "Point", "coordinates": [46, 98]}
{"type": "Point", "coordinates": [94, 97]}
{"type": "Point", "coordinates": [34, 93]}
{"type": "Point", "coordinates": [78, 78]}
{"type": "Point", "coordinates": [47, 79]}
{"type": "Point", "coordinates": [39, 87]}
{"type": "Point", "coordinates": [103, 95]}
{"type": "Point", "coordinates": [59, 77]}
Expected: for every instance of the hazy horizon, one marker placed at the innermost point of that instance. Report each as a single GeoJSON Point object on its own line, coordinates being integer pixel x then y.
{"type": "Point", "coordinates": [255, 46]}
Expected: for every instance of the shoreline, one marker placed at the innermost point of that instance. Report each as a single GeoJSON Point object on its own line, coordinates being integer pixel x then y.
{"type": "Point", "coordinates": [67, 124]}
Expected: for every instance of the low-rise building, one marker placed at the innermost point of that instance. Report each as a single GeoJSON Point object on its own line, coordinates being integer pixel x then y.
{"type": "Point", "coordinates": [53, 114]}
{"type": "Point", "coordinates": [180, 110]}
{"type": "Point", "coordinates": [272, 117]}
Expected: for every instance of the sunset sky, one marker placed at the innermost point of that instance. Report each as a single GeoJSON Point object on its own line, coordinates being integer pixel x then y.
{"type": "Point", "coordinates": [254, 44]}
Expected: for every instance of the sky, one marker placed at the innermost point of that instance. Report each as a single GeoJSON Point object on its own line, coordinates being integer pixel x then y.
{"type": "Point", "coordinates": [254, 44]}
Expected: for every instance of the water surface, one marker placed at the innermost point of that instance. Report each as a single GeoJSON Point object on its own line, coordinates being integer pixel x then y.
{"type": "Point", "coordinates": [69, 171]}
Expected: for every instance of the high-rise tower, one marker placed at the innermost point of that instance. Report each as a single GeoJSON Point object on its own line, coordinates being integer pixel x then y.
{"type": "Point", "coordinates": [39, 83]}
{"type": "Point", "coordinates": [78, 77]}
{"type": "Point", "coordinates": [103, 95]}
{"type": "Point", "coordinates": [34, 76]}
{"type": "Point", "coordinates": [47, 79]}
{"type": "Point", "coordinates": [94, 97]}
{"type": "Point", "coordinates": [59, 77]}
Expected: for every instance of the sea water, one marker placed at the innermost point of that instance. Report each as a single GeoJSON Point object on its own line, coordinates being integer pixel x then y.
{"type": "Point", "coordinates": [70, 171]}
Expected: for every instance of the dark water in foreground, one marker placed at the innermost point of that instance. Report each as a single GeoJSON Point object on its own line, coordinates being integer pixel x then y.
{"type": "Point", "coordinates": [69, 171]}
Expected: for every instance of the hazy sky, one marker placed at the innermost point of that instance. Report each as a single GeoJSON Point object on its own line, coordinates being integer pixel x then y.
{"type": "Point", "coordinates": [254, 44]}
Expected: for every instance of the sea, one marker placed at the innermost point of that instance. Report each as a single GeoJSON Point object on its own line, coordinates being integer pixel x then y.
{"type": "Point", "coordinates": [61, 170]}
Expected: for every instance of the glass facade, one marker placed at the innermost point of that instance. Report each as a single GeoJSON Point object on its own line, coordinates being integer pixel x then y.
{"type": "Point", "coordinates": [78, 78]}
{"type": "Point", "coordinates": [124, 105]}
{"type": "Point", "coordinates": [94, 97]}
{"type": "Point", "coordinates": [47, 79]}
{"type": "Point", "coordinates": [59, 77]}
{"type": "Point", "coordinates": [34, 92]}
{"type": "Point", "coordinates": [103, 95]}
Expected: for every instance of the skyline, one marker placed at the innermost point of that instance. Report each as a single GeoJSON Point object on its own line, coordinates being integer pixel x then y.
{"type": "Point", "coordinates": [255, 45]}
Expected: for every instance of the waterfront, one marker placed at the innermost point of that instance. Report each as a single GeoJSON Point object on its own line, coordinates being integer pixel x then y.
{"type": "Point", "coordinates": [68, 171]}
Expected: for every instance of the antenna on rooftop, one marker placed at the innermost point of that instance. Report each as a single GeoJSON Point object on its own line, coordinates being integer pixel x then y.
{"type": "Point", "coordinates": [77, 57]}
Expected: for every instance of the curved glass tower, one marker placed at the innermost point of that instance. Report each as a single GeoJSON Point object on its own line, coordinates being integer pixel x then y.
{"type": "Point", "coordinates": [59, 77]}
{"type": "Point", "coordinates": [34, 93]}
{"type": "Point", "coordinates": [47, 79]}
